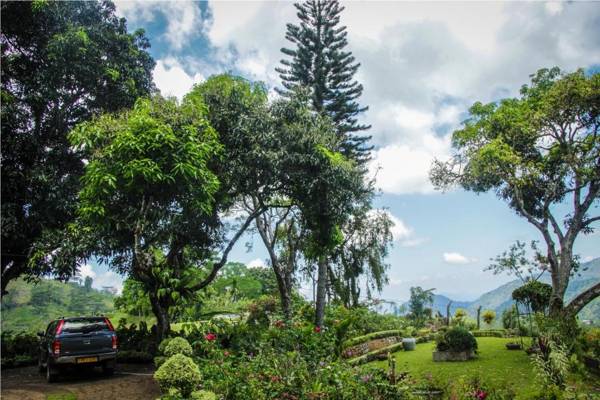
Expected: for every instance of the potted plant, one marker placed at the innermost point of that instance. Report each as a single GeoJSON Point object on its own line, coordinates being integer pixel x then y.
{"type": "Point", "coordinates": [457, 344]}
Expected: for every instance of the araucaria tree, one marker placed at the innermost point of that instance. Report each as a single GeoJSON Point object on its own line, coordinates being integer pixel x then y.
{"type": "Point", "coordinates": [540, 153]}
{"type": "Point", "coordinates": [62, 63]}
{"type": "Point", "coordinates": [320, 63]}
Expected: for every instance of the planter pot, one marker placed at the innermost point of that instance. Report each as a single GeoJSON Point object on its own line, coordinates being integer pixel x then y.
{"type": "Point", "coordinates": [453, 355]}
{"type": "Point", "coordinates": [513, 346]}
{"type": "Point", "coordinates": [409, 344]}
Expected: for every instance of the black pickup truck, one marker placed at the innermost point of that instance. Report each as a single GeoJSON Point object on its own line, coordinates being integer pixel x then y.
{"type": "Point", "coordinates": [77, 341]}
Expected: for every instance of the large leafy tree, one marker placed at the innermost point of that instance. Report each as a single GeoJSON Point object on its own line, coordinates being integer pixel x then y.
{"type": "Point", "coordinates": [540, 153]}
{"type": "Point", "coordinates": [324, 184]}
{"type": "Point", "coordinates": [62, 63]}
{"type": "Point", "coordinates": [320, 61]}
{"type": "Point", "coordinates": [418, 304]}
{"type": "Point", "coordinates": [145, 190]}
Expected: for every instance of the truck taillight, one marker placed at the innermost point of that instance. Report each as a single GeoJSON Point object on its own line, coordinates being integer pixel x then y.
{"type": "Point", "coordinates": [59, 328]}
{"type": "Point", "coordinates": [110, 326]}
{"type": "Point", "coordinates": [115, 342]}
{"type": "Point", "coordinates": [56, 347]}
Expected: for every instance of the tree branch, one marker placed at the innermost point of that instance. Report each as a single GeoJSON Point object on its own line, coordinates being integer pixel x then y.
{"type": "Point", "coordinates": [582, 300]}
{"type": "Point", "coordinates": [213, 273]}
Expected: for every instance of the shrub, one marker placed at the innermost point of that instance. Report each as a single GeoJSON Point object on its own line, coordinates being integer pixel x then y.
{"type": "Point", "coordinates": [163, 345]}
{"type": "Point", "coordinates": [456, 339]}
{"type": "Point", "coordinates": [203, 395]}
{"type": "Point", "coordinates": [591, 342]}
{"type": "Point", "coordinates": [177, 345]}
{"type": "Point", "coordinates": [180, 373]}
{"type": "Point", "coordinates": [490, 333]}
{"type": "Point", "coordinates": [133, 356]}
{"type": "Point", "coordinates": [488, 316]}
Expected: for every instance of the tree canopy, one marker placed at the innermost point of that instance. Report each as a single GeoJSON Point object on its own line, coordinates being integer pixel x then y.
{"type": "Point", "coordinates": [62, 63]}
{"type": "Point", "coordinates": [537, 152]}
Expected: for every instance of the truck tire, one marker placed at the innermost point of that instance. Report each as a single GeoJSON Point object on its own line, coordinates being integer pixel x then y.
{"type": "Point", "coordinates": [108, 368]}
{"type": "Point", "coordinates": [51, 373]}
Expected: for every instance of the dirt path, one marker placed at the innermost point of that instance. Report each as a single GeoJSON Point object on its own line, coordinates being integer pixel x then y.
{"type": "Point", "coordinates": [130, 381]}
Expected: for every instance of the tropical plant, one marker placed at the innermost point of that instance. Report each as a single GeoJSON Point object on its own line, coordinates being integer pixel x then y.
{"type": "Point", "coordinates": [456, 339]}
{"type": "Point", "coordinates": [179, 375]}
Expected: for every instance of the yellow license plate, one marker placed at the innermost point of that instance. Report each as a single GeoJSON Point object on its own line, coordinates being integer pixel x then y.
{"type": "Point", "coordinates": [84, 360]}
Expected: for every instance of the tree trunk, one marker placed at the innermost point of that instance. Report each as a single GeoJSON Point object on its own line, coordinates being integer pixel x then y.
{"type": "Point", "coordinates": [284, 291]}
{"type": "Point", "coordinates": [163, 321]}
{"type": "Point", "coordinates": [582, 300]}
{"type": "Point", "coordinates": [478, 317]}
{"type": "Point", "coordinates": [11, 272]}
{"type": "Point", "coordinates": [448, 313]}
{"type": "Point", "coordinates": [560, 280]}
{"type": "Point", "coordinates": [321, 290]}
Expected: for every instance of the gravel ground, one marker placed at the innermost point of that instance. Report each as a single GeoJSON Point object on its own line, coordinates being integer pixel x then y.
{"type": "Point", "coordinates": [130, 381]}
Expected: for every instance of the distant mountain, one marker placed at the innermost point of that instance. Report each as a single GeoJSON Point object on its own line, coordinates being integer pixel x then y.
{"type": "Point", "coordinates": [500, 298]}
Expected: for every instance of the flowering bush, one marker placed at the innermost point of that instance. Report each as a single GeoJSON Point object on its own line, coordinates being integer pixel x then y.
{"type": "Point", "coordinates": [178, 375]}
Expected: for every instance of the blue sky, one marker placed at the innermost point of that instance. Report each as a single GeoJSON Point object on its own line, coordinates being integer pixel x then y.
{"type": "Point", "coordinates": [423, 65]}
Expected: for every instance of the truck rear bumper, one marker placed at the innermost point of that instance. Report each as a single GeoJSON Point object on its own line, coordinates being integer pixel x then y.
{"type": "Point", "coordinates": [63, 360]}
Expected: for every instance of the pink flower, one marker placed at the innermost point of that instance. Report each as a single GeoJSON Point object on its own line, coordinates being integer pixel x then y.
{"type": "Point", "coordinates": [317, 329]}
{"type": "Point", "coordinates": [480, 394]}
{"type": "Point", "coordinates": [210, 337]}
{"type": "Point", "coordinates": [226, 353]}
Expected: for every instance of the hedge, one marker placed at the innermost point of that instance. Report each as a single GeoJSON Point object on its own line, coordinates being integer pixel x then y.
{"type": "Point", "coordinates": [371, 336]}
{"type": "Point", "coordinates": [373, 355]}
{"type": "Point", "coordinates": [490, 333]}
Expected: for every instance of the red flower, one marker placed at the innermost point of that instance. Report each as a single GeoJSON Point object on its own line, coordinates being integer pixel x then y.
{"type": "Point", "coordinates": [480, 394]}
{"type": "Point", "coordinates": [317, 329]}
{"type": "Point", "coordinates": [210, 337]}
{"type": "Point", "coordinates": [226, 353]}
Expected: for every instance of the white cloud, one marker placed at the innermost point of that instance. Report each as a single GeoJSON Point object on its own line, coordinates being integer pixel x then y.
{"type": "Point", "coordinates": [256, 263]}
{"type": "Point", "coordinates": [402, 233]}
{"type": "Point", "coordinates": [109, 278]}
{"type": "Point", "coordinates": [171, 78]}
{"type": "Point", "coordinates": [184, 19]}
{"type": "Point", "coordinates": [587, 259]}
{"type": "Point", "coordinates": [457, 258]}
{"type": "Point", "coordinates": [87, 270]}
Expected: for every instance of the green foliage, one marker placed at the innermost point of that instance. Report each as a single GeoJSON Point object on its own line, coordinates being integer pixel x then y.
{"type": "Point", "coordinates": [62, 63]}
{"type": "Point", "coordinates": [488, 316]}
{"type": "Point", "coordinates": [19, 349]}
{"type": "Point", "coordinates": [552, 363]}
{"type": "Point", "coordinates": [535, 294]}
{"type": "Point", "coordinates": [203, 395]}
{"type": "Point", "coordinates": [318, 62]}
{"type": "Point", "coordinates": [180, 373]}
{"type": "Point", "coordinates": [177, 345]}
{"type": "Point", "coordinates": [417, 303]}
{"type": "Point", "coordinates": [590, 340]}
{"type": "Point", "coordinates": [456, 339]}
{"type": "Point", "coordinates": [535, 152]}
{"type": "Point", "coordinates": [31, 306]}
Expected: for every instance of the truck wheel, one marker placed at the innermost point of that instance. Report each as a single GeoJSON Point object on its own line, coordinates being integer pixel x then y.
{"type": "Point", "coordinates": [51, 373]}
{"type": "Point", "coordinates": [108, 368]}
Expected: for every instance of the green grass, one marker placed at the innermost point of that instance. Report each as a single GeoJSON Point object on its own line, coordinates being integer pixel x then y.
{"type": "Point", "coordinates": [496, 365]}
{"type": "Point", "coordinates": [61, 396]}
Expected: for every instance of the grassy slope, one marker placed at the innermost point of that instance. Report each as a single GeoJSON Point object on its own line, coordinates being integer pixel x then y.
{"type": "Point", "coordinates": [65, 299]}
{"type": "Point", "coordinates": [495, 365]}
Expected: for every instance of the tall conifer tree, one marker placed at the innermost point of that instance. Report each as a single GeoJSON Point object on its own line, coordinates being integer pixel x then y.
{"type": "Point", "coordinates": [320, 63]}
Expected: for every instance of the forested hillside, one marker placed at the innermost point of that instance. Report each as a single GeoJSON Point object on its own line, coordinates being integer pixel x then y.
{"type": "Point", "coordinates": [30, 306]}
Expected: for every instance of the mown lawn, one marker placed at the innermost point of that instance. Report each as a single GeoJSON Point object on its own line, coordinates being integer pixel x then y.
{"type": "Point", "coordinates": [495, 365]}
